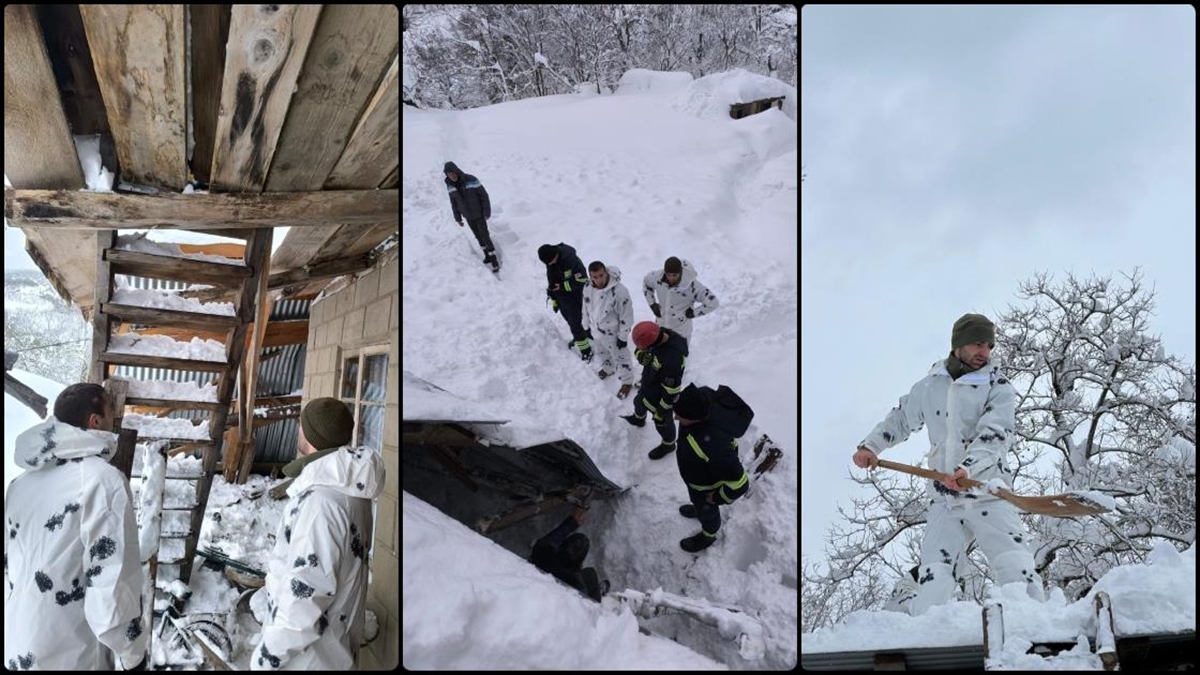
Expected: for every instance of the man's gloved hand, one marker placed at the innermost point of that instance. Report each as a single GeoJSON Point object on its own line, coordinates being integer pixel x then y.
{"type": "Point", "coordinates": [554, 305]}
{"type": "Point", "coordinates": [642, 356]}
{"type": "Point", "coordinates": [689, 313]}
{"type": "Point", "coordinates": [621, 344]}
{"type": "Point", "coordinates": [656, 309]}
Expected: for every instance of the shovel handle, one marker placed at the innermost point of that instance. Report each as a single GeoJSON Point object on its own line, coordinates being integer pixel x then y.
{"type": "Point", "coordinates": [926, 473]}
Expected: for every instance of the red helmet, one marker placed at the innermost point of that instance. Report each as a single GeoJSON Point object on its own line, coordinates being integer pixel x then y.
{"type": "Point", "coordinates": [645, 334]}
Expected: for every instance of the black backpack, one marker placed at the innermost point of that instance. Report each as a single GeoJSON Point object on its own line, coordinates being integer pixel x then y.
{"type": "Point", "coordinates": [728, 411]}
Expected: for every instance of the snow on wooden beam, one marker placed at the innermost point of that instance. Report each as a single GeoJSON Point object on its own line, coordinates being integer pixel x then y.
{"type": "Point", "coordinates": [67, 209]}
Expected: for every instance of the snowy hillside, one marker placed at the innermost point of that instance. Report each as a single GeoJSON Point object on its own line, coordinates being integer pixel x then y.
{"type": "Point", "coordinates": [628, 179]}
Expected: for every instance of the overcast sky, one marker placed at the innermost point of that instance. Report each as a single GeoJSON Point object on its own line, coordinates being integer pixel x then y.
{"type": "Point", "coordinates": [952, 152]}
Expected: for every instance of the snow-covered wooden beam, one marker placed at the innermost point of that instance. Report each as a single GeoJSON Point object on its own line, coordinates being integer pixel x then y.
{"type": "Point", "coordinates": [79, 210]}
{"type": "Point", "coordinates": [23, 393]}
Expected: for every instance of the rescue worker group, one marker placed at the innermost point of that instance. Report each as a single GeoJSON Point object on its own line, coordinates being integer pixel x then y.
{"type": "Point", "coordinates": [598, 311]}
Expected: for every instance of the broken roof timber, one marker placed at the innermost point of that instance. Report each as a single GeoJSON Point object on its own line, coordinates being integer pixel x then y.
{"type": "Point", "coordinates": [76, 210]}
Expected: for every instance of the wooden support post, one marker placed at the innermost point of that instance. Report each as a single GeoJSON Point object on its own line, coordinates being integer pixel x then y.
{"type": "Point", "coordinates": [100, 321]}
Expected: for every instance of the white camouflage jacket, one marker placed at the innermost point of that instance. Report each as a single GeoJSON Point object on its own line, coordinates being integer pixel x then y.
{"type": "Point", "coordinates": [73, 581]}
{"type": "Point", "coordinates": [608, 311]}
{"type": "Point", "coordinates": [971, 422]}
{"type": "Point", "coordinates": [317, 576]}
{"type": "Point", "coordinates": [674, 301]}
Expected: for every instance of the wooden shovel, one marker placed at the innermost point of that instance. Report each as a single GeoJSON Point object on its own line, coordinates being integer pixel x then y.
{"type": "Point", "coordinates": [1060, 506]}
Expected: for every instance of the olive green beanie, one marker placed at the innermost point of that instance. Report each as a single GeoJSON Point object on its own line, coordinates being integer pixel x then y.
{"type": "Point", "coordinates": [327, 423]}
{"type": "Point", "coordinates": [972, 328]}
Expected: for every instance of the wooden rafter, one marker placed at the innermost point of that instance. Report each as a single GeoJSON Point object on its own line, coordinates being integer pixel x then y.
{"type": "Point", "coordinates": [63, 209]}
{"type": "Point", "coordinates": [266, 47]}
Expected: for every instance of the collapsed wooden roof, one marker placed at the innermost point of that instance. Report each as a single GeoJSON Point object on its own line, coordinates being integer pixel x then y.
{"type": "Point", "coordinates": [294, 115]}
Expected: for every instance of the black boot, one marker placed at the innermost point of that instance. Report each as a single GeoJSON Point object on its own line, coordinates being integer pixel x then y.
{"type": "Point", "coordinates": [697, 542]}
{"type": "Point", "coordinates": [634, 420]}
{"type": "Point", "coordinates": [688, 511]}
{"type": "Point", "coordinates": [662, 450]}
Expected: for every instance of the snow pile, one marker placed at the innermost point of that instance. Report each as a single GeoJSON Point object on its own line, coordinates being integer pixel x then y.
{"type": "Point", "coordinates": [426, 401]}
{"type": "Point", "coordinates": [640, 81]}
{"type": "Point", "coordinates": [241, 520]}
{"type": "Point", "coordinates": [163, 427]}
{"type": "Point", "coordinates": [97, 178]}
{"type": "Point", "coordinates": [710, 97]}
{"type": "Point", "coordinates": [141, 243]}
{"type": "Point", "coordinates": [125, 294]}
{"type": "Point", "coordinates": [483, 608]}
{"type": "Point", "coordinates": [161, 345]}
{"type": "Point", "coordinates": [1157, 597]}
{"type": "Point", "coordinates": [172, 391]}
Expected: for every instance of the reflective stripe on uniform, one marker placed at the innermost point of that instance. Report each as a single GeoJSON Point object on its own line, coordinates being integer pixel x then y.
{"type": "Point", "coordinates": [696, 446]}
{"type": "Point", "coordinates": [656, 363]}
{"type": "Point", "coordinates": [567, 285]}
{"type": "Point", "coordinates": [673, 390]}
{"type": "Point", "coordinates": [649, 405]}
{"type": "Point", "coordinates": [664, 404]}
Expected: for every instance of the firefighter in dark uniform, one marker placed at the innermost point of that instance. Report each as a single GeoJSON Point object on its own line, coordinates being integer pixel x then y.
{"type": "Point", "coordinates": [565, 278]}
{"type": "Point", "coordinates": [708, 460]}
{"type": "Point", "coordinates": [662, 353]}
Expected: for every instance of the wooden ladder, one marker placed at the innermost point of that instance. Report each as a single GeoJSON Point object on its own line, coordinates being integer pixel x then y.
{"type": "Point", "coordinates": [245, 280]}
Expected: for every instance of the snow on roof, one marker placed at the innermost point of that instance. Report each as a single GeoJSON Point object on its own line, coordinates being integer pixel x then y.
{"type": "Point", "coordinates": [1157, 597]}
{"type": "Point", "coordinates": [424, 400]}
{"type": "Point", "coordinates": [640, 80]}
{"type": "Point", "coordinates": [471, 604]}
{"type": "Point", "coordinates": [710, 97]}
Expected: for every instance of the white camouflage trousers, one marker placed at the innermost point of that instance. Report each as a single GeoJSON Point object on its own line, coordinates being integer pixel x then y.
{"type": "Point", "coordinates": [952, 523]}
{"type": "Point", "coordinates": [612, 359]}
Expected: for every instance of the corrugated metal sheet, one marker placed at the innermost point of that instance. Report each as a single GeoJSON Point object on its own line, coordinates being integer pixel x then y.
{"type": "Point", "coordinates": [279, 376]}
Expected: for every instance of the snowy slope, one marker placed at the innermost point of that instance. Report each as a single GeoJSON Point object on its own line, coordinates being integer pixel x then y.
{"type": "Point", "coordinates": [483, 608]}
{"type": "Point", "coordinates": [628, 179]}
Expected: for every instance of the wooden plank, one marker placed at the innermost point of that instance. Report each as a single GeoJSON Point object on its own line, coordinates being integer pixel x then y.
{"type": "Point", "coordinates": [38, 149]}
{"type": "Point", "coordinates": [299, 246]}
{"type": "Point", "coordinates": [69, 209]}
{"type": "Point", "coordinates": [267, 45]}
{"type": "Point", "coordinates": [71, 58]}
{"type": "Point", "coordinates": [370, 239]}
{"type": "Point", "coordinates": [153, 316]}
{"type": "Point", "coordinates": [23, 393]}
{"type": "Point", "coordinates": [174, 404]}
{"type": "Point", "coordinates": [154, 266]}
{"type": "Point", "coordinates": [353, 46]}
{"type": "Point", "coordinates": [393, 180]}
{"type": "Point", "coordinates": [101, 322]}
{"type": "Point", "coordinates": [138, 53]}
{"type": "Point", "coordinates": [341, 240]}
{"type": "Point", "coordinates": [371, 154]}
{"type": "Point", "coordinates": [168, 363]}
{"type": "Point", "coordinates": [210, 32]}
{"type": "Point", "coordinates": [232, 251]}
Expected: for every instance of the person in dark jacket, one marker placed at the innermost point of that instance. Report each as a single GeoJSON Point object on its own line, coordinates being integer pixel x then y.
{"type": "Point", "coordinates": [469, 200]}
{"type": "Point", "coordinates": [561, 553]}
{"type": "Point", "coordinates": [708, 464]}
{"type": "Point", "coordinates": [565, 278]}
{"type": "Point", "coordinates": [662, 353]}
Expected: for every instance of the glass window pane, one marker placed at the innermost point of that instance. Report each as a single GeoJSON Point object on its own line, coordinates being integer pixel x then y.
{"type": "Point", "coordinates": [349, 377]}
{"type": "Point", "coordinates": [370, 427]}
{"type": "Point", "coordinates": [375, 378]}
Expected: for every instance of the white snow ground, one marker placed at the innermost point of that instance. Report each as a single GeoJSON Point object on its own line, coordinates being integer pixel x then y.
{"type": "Point", "coordinates": [1157, 597]}
{"type": "Point", "coordinates": [628, 179]}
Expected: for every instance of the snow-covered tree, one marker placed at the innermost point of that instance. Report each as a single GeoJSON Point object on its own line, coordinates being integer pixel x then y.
{"type": "Point", "coordinates": [462, 56]}
{"type": "Point", "coordinates": [1102, 406]}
